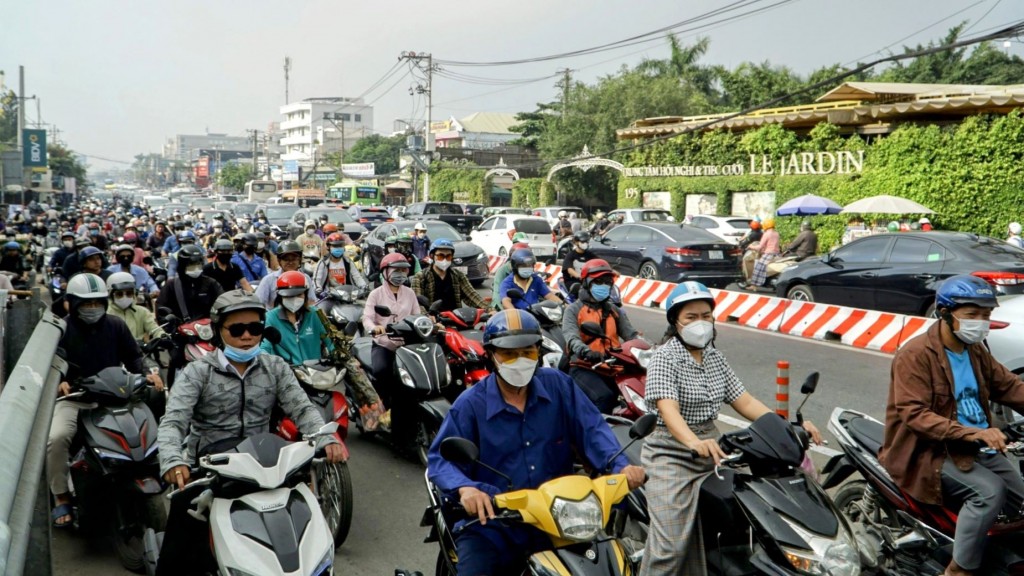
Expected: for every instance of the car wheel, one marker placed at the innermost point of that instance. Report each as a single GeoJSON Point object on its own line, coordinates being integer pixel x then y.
{"type": "Point", "coordinates": [800, 293]}
{"type": "Point", "coordinates": [648, 271]}
{"type": "Point", "coordinates": [503, 252]}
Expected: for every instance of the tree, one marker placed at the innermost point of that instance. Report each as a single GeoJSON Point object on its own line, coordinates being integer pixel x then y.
{"type": "Point", "coordinates": [682, 64]}
{"type": "Point", "coordinates": [64, 164]}
{"type": "Point", "coordinates": [750, 84]}
{"type": "Point", "coordinates": [8, 118]}
{"type": "Point", "coordinates": [234, 175]}
{"type": "Point", "coordinates": [383, 151]}
{"type": "Point", "coordinates": [985, 64]}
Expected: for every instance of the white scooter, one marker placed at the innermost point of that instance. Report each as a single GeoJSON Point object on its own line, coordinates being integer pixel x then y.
{"type": "Point", "coordinates": [260, 483]}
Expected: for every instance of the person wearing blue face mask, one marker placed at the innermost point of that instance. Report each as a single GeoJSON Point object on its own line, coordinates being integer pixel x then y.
{"type": "Point", "coordinates": [596, 305]}
{"type": "Point", "coordinates": [524, 279]}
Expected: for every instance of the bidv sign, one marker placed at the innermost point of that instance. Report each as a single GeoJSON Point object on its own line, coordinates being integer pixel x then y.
{"type": "Point", "coordinates": [34, 146]}
{"type": "Point", "coordinates": [842, 162]}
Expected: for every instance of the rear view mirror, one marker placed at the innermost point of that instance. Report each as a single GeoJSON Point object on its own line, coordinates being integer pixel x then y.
{"type": "Point", "coordinates": [351, 328]}
{"type": "Point", "coordinates": [574, 289]}
{"type": "Point", "coordinates": [436, 307]}
{"type": "Point", "coordinates": [380, 310]}
{"type": "Point", "coordinates": [514, 294]}
{"type": "Point", "coordinates": [810, 384]}
{"type": "Point", "coordinates": [459, 450]}
{"type": "Point", "coordinates": [422, 300]}
{"type": "Point", "coordinates": [592, 329]}
{"type": "Point", "coordinates": [643, 426]}
{"type": "Point", "coordinates": [272, 335]}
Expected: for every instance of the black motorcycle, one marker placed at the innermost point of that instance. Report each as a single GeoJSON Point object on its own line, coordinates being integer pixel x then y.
{"type": "Point", "coordinates": [549, 315]}
{"type": "Point", "coordinates": [116, 474]}
{"type": "Point", "coordinates": [424, 394]}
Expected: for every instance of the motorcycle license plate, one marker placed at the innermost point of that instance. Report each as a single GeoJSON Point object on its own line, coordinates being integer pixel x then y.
{"type": "Point", "coordinates": [715, 254]}
{"type": "Point", "coordinates": [463, 269]}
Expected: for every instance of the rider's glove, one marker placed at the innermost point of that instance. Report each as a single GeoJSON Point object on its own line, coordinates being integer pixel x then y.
{"type": "Point", "coordinates": [592, 356]}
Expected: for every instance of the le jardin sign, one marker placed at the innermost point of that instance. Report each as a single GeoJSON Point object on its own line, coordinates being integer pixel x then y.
{"type": "Point", "coordinates": [841, 162]}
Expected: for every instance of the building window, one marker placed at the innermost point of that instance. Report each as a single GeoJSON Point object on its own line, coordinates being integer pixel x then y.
{"type": "Point", "coordinates": [346, 117]}
{"type": "Point", "coordinates": [359, 117]}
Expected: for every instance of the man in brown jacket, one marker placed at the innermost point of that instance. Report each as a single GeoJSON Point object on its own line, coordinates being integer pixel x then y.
{"type": "Point", "coordinates": [937, 414]}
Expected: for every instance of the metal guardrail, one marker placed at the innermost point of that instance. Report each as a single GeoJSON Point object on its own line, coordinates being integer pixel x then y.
{"type": "Point", "coordinates": [26, 408]}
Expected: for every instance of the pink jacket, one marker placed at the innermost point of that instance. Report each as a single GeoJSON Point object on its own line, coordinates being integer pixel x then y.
{"type": "Point", "coordinates": [402, 304]}
{"type": "Point", "coordinates": [770, 242]}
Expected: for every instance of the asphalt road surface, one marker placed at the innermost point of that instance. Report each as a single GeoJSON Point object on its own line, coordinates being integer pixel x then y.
{"type": "Point", "coordinates": [389, 491]}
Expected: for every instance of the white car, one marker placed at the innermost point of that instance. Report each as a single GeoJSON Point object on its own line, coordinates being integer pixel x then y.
{"type": "Point", "coordinates": [550, 213]}
{"type": "Point", "coordinates": [495, 234]}
{"type": "Point", "coordinates": [728, 228]}
{"type": "Point", "coordinates": [1004, 341]}
{"type": "Point", "coordinates": [631, 215]}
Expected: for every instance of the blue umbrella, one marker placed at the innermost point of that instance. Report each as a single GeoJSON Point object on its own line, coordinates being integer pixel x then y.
{"type": "Point", "coordinates": [808, 205]}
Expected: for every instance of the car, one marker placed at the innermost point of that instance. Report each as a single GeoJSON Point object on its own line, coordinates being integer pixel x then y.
{"type": "Point", "coordinates": [169, 209]}
{"type": "Point", "coordinates": [898, 272]}
{"type": "Point", "coordinates": [225, 205]}
{"type": "Point", "coordinates": [630, 215]}
{"type": "Point", "coordinates": [338, 216]}
{"type": "Point", "coordinates": [244, 209]}
{"type": "Point", "coordinates": [1007, 331]}
{"type": "Point", "coordinates": [494, 235]}
{"type": "Point", "coordinates": [279, 215]}
{"type": "Point", "coordinates": [492, 210]}
{"type": "Point", "coordinates": [670, 252]}
{"type": "Point", "coordinates": [469, 257]}
{"type": "Point", "coordinates": [551, 213]}
{"type": "Point", "coordinates": [155, 202]}
{"type": "Point", "coordinates": [472, 208]}
{"type": "Point", "coordinates": [729, 228]}
{"type": "Point", "coordinates": [369, 216]}
{"type": "Point", "coordinates": [201, 203]}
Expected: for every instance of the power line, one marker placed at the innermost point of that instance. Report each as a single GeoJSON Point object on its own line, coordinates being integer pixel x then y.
{"type": "Point", "coordinates": [912, 34]}
{"type": "Point", "coordinates": [983, 16]}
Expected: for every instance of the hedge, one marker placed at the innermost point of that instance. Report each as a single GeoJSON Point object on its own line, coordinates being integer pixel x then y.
{"type": "Point", "coordinates": [449, 181]}
{"type": "Point", "coordinates": [971, 174]}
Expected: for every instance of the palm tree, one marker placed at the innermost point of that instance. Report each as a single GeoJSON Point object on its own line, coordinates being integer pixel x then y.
{"type": "Point", "coordinates": [683, 64]}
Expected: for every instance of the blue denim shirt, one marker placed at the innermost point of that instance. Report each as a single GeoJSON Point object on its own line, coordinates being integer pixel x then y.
{"type": "Point", "coordinates": [143, 281]}
{"type": "Point", "coordinates": [535, 293]}
{"type": "Point", "coordinates": [253, 269]}
{"type": "Point", "coordinates": [531, 447]}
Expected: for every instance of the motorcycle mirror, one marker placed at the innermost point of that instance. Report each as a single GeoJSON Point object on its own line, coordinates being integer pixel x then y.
{"type": "Point", "coordinates": [272, 335]}
{"type": "Point", "coordinates": [164, 311]}
{"type": "Point", "coordinates": [643, 426]}
{"type": "Point", "coordinates": [459, 450]}
{"type": "Point", "coordinates": [351, 328]}
{"type": "Point", "coordinates": [380, 310]}
{"type": "Point", "coordinates": [592, 329]}
{"type": "Point", "coordinates": [161, 279]}
{"type": "Point", "coordinates": [810, 384]}
{"type": "Point", "coordinates": [574, 289]}
{"type": "Point", "coordinates": [422, 300]}
{"type": "Point", "coordinates": [514, 293]}
{"type": "Point", "coordinates": [148, 260]}
{"type": "Point", "coordinates": [436, 307]}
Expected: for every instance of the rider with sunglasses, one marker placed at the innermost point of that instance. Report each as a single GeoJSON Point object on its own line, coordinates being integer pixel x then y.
{"type": "Point", "coordinates": [442, 282]}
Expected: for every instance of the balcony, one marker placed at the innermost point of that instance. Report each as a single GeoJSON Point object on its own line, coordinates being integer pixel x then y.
{"type": "Point", "coordinates": [306, 139]}
{"type": "Point", "coordinates": [295, 123]}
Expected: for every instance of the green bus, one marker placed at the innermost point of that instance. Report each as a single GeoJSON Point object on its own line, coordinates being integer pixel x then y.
{"type": "Point", "coordinates": [354, 193]}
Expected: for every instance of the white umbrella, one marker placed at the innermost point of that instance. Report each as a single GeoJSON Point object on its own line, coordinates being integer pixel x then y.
{"type": "Point", "coordinates": [886, 204]}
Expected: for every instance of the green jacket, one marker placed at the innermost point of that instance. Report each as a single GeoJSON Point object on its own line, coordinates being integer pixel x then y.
{"type": "Point", "coordinates": [297, 344]}
{"type": "Point", "coordinates": [499, 275]}
{"type": "Point", "coordinates": [141, 322]}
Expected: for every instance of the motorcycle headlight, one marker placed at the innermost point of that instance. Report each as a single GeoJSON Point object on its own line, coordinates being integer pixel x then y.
{"type": "Point", "coordinates": [636, 399]}
{"type": "Point", "coordinates": [643, 357]}
{"type": "Point", "coordinates": [827, 557]}
{"type": "Point", "coordinates": [578, 520]}
{"type": "Point", "coordinates": [406, 378]}
{"type": "Point", "coordinates": [447, 373]}
{"type": "Point", "coordinates": [553, 313]}
{"type": "Point", "coordinates": [337, 316]}
{"type": "Point", "coordinates": [205, 331]}
{"type": "Point", "coordinates": [423, 325]}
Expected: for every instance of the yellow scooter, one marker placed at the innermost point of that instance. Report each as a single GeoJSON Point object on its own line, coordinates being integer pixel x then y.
{"type": "Point", "coordinates": [573, 510]}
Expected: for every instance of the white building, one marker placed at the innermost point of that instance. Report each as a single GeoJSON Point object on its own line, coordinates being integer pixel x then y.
{"type": "Point", "coordinates": [185, 147]}
{"type": "Point", "coordinates": [307, 135]}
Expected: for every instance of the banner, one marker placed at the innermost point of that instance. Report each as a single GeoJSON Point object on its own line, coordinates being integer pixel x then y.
{"type": "Point", "coordinates": [291, 171]}
{"type": "Point", "coordinates": [363, 170]}
{"type": "Point", "coordinates": [71, 186]}
{"type": "Point", "coordinates": [33, 145]}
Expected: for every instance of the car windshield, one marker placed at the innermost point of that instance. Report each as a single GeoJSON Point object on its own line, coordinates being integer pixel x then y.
{"type": "Point", "coordinates": [739, 223]}
{"type": "Point", "coordinates": [280, 211]}
{"type": "Point", "coordinates": [202, 202]}
{"type": "Point", "coordinates": [334, 216]}
{"type": "Point", "coordinates": [531, 226]}
{"type": "Point", "coordinates": [991, 249]}
{"type": "Point", "coordinates": [245, 208]}
{"type": "Point", "coordinates": [155, 201]}
{"type": "Point", "coordinates": [435, 229]}
{"type": "Point", "coordinates": [655, 216]}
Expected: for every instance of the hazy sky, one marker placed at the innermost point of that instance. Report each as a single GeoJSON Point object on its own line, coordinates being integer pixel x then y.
{"type": "Point", "coordinates": [120, 77]}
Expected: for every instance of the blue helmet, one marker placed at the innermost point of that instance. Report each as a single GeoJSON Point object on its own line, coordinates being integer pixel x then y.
{"type": "Point", "coordinates": [965, 289]}
{"type": "Point", "coordinates": [186, 234]}
{"type": "Point", "coordinates": [685, 292]}
{"type": "Point", "coordinates": [12, 245]}
{"type": "Point", "coordinates": [441, 244]}
{"type": "Point", "coordinates": [88, 252]}
{"type": "Point", "coordinates": [523, 258]}
{"type": "Point", "coordinates": [512, 329]}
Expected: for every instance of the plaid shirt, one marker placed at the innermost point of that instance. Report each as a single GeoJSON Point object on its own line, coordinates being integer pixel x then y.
{"type": "Point", "coordinates": [424, 284]}
{"type": "Point", "coordinates": [700, 389]}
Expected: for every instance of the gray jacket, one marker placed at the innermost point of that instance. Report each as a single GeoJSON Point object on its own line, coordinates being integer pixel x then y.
{"type": "Point", "coordinates": [209, 402]}
{"type": "Point", "coordinates": [571, 325]}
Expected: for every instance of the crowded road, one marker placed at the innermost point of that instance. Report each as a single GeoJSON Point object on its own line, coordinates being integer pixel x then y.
{"type": "Point", "coordinates": [389, 491]}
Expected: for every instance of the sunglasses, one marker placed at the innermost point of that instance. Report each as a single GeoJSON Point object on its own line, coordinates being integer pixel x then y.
{"type": "Point", "coordinates": [123, 293]}
{"type": "Point", "coordinates": [440, 256]}
{"type": "Point", "coordinates": [253, 328]}
{"type": "Point", "coordinates": [509, 354]}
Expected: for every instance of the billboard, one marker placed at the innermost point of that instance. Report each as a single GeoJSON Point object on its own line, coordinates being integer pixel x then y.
{"type": "Point", "coordinates": [33, 146]}
{"type": "Point", "coordinates": [362, 170]}
{"type": "Point", "coordinates": [291, 171]}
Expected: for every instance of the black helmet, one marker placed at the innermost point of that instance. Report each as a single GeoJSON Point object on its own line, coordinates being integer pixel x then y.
{"type": "Point", "coordinates": [233, 301]}
{"type": "Point", "coordinates": [223, 244]}
{"type": "Point", "coordinates": [190, 254]}
{"type": "Point", "coordinates": [581, 236]}
{"type": "Point", "coordinates": [289, 247]}
{"type": "Point", "coordinates": [523, 258]}
{"type": "Point", "coordinates": [249, 240]}
{"type": "Point", "coordinates": [265, 229]}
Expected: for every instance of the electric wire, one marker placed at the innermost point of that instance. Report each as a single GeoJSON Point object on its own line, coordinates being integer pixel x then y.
{"type": "Point", "coordinates": [912, 34]}
{"type": "Point", "coordinates": [983, 16]}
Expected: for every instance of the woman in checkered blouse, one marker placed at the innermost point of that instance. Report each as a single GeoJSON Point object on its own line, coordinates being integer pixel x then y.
{"type": "Point", "coordinates": [688, 380]}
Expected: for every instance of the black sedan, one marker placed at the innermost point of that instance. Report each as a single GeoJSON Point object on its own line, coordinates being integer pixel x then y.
{"type": "Point", "coordinates": [669, 251]}
{"type": "Point", "coordinates": [469, 257]}
{"type": "Point", "coordinates": [899, 272]}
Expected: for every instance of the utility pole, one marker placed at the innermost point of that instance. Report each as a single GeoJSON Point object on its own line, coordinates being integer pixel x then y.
{"type": "Point", "coordinates": [566, 82]}
{"type": "Point", "coordinates": [255, 152]}
{"type": "Point", "coordinates": [21, 129]}
{"type": "Point", "coordinates": [418, 58]}
{"type": "Point", "coordinates": [287, 68]}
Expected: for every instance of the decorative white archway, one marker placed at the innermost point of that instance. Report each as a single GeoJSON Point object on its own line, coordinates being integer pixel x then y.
{"type": "Point", "coordinates": [502, 169]}
{"type": "Point", "coordinates": [585, 161]}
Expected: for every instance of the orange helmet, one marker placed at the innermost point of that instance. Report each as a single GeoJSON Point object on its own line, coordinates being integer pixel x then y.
{"type": "Point", "coordinates": [595, 269]}
{"type": "Point", "coordinates": [755, 225]}
{"type": "Point", "coordinates": [292, 283]}
{"type": "Point", "coordinates": [330, 228]}
{"type": "Point", "coordinates": [334, 239]}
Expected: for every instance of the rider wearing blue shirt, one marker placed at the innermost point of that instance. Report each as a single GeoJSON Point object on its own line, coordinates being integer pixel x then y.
{"type": "Point", "coordinates": [529, 423]}
{"type": "Point", "coordinates": [524, 279]}
{"type": "Point", "coordinates": [253, 267]}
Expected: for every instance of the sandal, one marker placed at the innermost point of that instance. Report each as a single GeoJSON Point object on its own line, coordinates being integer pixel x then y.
{"type": "Point", "coordinates": [62, 510]}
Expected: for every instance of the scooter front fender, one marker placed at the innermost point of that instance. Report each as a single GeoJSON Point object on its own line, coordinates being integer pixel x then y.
{"type": "Point", "coordinates": [434, 410]}
{"type": "Point", "coordinates": [598, 558]}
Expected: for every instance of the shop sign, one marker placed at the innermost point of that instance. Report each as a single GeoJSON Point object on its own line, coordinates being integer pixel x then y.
{"type": "Point", "coordinates": [841, 162]}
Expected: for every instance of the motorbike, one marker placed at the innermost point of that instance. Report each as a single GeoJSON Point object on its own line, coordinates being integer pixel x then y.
{"type": "Point", "coordinates": [423, 394]}
{"type": "Point", "coordinates": [905, 536]}
{"type": "Point", "coordinates": [549, 315]}
{"type": "Point", "coordinates": [263, 518]}
{"type": "Point", "coordinates": [115, 473]}
{"type": "Point", "coordinates": [332, 482]}
{"type": "Point", "coordinates": [575, 511]}
{"type": "Point", "coordinates": [341, 302]}
{"type": "Point", "coordinates": [627, 367]}
{"type": "Point", "coordinates": [463, 343]}
{"type": "Point", "coordinates": [192, 340]}
{"type": "Point", "coordinates": [785, 261]}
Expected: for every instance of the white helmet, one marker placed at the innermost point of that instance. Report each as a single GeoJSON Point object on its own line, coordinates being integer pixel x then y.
{"type": "Point", "coordinates": [1014, 227]}
{"type": "Point", "coordinates": [85, 286]}
{"type": "Point", "coordinates": [420, 226]}
{"type": "Point", "coordinates": [120, 281]}
{"type": "Point", "coordinates": [562, 214]}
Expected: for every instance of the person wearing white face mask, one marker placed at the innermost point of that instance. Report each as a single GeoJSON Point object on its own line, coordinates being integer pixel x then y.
{"type": "Point", "coordinates": [301, 329]}
{"type": "Point", "coordinates": [688, 381]}
{"type": "Point", "coordinates": [526, 281]}
{"type": "Point", "coordinates": [140, 320]}
{"type": "Point", "coordinates": [530, 424]}
{"type": "Point", "coordinates": [938, 411]}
